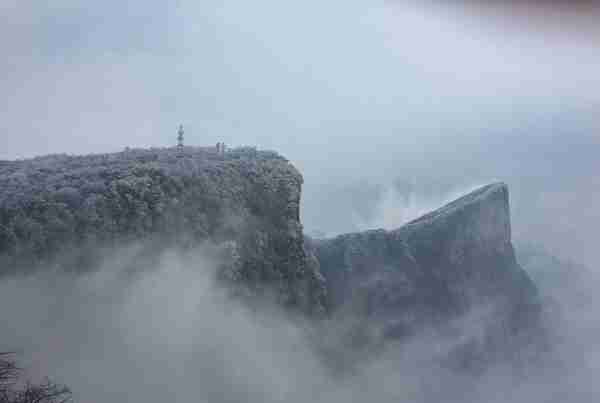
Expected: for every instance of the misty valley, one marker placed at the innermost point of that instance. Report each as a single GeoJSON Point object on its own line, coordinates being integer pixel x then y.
{"type": "Point", "coordinates": [172, 274]}
{"type": "Point", "coordinates": [265, 201]}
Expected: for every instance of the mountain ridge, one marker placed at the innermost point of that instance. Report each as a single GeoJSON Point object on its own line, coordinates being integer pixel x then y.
{"type": "Point", "coordinates": [247, 202]}
{"type": "Point", "coordinates": [435, 269]}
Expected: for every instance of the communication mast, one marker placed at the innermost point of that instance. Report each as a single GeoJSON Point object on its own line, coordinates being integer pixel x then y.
{"type": "Point", "coordinates": [180, 133]}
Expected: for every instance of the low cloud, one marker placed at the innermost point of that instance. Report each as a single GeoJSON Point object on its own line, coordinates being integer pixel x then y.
{"type": "Point", "coordinates": [395, 209]}
{"type": "Point", "coordinates": [169, 332]}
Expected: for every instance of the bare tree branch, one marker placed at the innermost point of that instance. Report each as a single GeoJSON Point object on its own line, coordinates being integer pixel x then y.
{"type": "Point", "coordinates": [47, 392]}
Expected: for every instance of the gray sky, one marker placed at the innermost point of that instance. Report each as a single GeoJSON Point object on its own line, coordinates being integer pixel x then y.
{"type": "Point", "coordinates": [354, 93]}
{"type": "Point", "coordinates": [348, 90]}
{"type": "Point", "coordinates": [91, 77]}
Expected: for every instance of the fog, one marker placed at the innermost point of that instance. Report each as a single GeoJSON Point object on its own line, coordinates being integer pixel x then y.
{"type": "Point", "coordinates": [168, 331]}
{"type": "Point", "coordinates": [363, 97]}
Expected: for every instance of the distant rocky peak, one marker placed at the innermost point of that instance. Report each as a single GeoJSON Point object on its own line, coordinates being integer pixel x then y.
{"type": "Point", "coordinates": [480, 218]}
{"type": "Point", "coordinates": [435, 269]}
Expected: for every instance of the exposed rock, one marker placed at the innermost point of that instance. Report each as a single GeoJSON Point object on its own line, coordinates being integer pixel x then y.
{"type": "Point", "coordinates": [435, 269]}
{"type": "Point", "coordinates": [429, 272]}
{"type": "Point", "coordinates": [465, 247]}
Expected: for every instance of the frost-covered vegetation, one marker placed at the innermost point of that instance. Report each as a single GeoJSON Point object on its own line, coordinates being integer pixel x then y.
{"type": "Point", "coordinates": [74, 207]}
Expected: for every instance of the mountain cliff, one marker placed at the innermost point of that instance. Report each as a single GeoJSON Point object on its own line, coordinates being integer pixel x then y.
{"type": "Point", "coordinates": [70, 210]}
{"type": "Point", "coordinates": [451, 263]}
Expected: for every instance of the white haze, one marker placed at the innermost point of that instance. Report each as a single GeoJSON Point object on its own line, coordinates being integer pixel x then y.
{"type": "Point", "coordinates": [350, 91]}
{"type": "Point", "coordinates": [394, 209]}
{"type": "Point", "coordinates": [168, 332]}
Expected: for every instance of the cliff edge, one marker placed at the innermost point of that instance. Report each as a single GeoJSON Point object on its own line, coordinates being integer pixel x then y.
{"type": "Point", "coordinates": [446, 265]}
{"type": "Point", "coordinates": [68, 210]}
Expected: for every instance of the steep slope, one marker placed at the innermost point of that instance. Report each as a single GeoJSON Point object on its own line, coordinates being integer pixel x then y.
{"type": "Point", "coordinates": [452, 262]}
{"type": "Point", "coordinates": [69, 211]}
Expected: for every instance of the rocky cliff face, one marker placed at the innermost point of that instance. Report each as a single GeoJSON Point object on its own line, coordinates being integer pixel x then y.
{"type": "Point", "coordinates": [69, 211]}
{"type": "Point", "coordinates": [437, 268]}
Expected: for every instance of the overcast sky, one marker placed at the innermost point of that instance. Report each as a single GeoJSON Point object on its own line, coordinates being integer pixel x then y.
{"type": "Point", "coordinates": [93, 77]}
{"type": "Point", "coordinates": [348, 90]}
{"type": "Point", "coordinates": [358, 94]}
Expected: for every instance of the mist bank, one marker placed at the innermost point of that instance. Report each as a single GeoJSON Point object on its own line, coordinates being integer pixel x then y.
{"type": "Point", "coordinates": [66, 213]}
{"type": "Point", "coordinates": [191, 267]}
{"type": "Point", "coordinates": [170, 331]}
